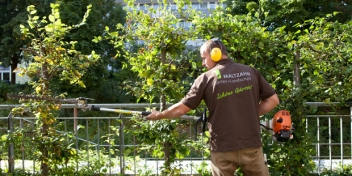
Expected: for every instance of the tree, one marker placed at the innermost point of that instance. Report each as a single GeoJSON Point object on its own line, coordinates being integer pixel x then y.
{"type": "Point", "coordinates": [325, 50]}
{"type": "Point", "coordinates": [51, 56]}
{"type": "Point", "coordinates": [103, 13]}
{"type": "Point", "coordinates": [156, 39]}
{"type": "Point", "coordinates": [13, 15]}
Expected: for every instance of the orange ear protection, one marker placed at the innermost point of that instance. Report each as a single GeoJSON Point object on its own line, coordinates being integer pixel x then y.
{"type": "Point", "coordinates": [215, 53]}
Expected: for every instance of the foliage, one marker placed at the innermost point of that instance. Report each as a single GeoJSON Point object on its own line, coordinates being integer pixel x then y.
{"type": "Point", "coordinates": [4, 89]}
{"type": "Point", "coordinates": [145, 171]}
{"type": "Point", "coordinates": [325, 50]}
{"type": "Point", "coordinates": [106, 71]}
{"type": "Point", "coordinates": [51, 53]}
{"type": "Point", "coordinates": [203, 169]}
{"type": "Point", "coordinates": [144, 135]}
{"type": "Point", "coordinates": [319, 81]}
{"type": "Point", "coordinates": [246, 41]}
{"type": "Point", "coordinates": [289, 13]}
{"type": "Point", "coordinates": [156, 61]}
{"type": "Point", "coordinates": [341, 170]}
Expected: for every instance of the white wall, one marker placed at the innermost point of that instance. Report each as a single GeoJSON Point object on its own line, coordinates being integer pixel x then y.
{"type": "Point", "coordinates": [22, 79]}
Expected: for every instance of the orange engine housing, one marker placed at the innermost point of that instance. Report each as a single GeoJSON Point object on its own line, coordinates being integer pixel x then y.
{"type": "Point", "coordinates": [282, 125]}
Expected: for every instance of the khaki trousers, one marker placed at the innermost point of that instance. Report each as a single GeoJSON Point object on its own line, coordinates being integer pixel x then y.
{"type": "Point", "coordinates": [250, 160]}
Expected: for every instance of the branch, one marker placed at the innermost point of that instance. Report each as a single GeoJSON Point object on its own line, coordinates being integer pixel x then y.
{"type": "Point", "coordinates": [30, 50]}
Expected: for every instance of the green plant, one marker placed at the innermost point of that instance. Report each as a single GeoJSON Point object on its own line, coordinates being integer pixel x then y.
{"type": "Point", "coordinates": [145, 134]}
{"type": "Point", "coordinates": [339, 171]}
{"type": "Point", "coordinates": [145, 171]}
{"type": "Point", "coordinates": [96, 162]}
{"type": "Point", "coordinates": [204, 169]}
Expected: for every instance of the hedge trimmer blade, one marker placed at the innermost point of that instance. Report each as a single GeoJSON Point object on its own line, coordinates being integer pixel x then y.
{"type": "Point", "coordinates": [80, 101]}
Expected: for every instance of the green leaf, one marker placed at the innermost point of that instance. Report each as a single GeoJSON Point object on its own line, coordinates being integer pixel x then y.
{"type": "Point", "coordinates": [32, 12]}
{"type": "Point", "coordinates": [51, 18]}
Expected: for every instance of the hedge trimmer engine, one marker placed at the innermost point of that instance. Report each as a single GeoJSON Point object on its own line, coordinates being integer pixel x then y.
{"type": "Point", "coordinates": [282, 126]}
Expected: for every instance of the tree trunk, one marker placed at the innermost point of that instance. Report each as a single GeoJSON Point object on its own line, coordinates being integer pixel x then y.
{"type": "Point", "coordinates": [167, 155]}
{"type": "Point", "coordinates": [14, 63]}
{"type": "Point", "coordinates": [45, 152]}
{"type": "Point", "coordinates": [296, 71]}
{"type": "Point", "coordinates": [167, 144]}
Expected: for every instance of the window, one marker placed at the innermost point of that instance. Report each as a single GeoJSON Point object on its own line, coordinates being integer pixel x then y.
{"type": "Point", "coordinates": [203, 6]}
{"type": "Point", "coordinates": [6, 76]}
{"type": "Point", "coordinates": [173, 6]}
{"type": "Point", "coordinates": [187, 25]}
{"type": "Point", "coordinates": [212, 5]}
{"type": "Point", "coordinates": [195, 5]}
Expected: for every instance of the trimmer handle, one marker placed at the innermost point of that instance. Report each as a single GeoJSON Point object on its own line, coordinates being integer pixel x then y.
{"type": "Point", "coordinates": [202, 119]}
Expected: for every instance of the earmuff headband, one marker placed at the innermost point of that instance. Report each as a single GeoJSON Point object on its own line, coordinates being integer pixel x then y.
{"type": "Point", "coordinates": [215, 53]}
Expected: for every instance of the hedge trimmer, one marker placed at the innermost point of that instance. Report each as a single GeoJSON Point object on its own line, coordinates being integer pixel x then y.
{"type": "Point", "coordinates": [281, 121]}
{"type": "Point", "coordinates": [82, 103]}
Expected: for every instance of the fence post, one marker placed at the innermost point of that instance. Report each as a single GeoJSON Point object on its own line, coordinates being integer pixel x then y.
{"type": "Point", "coordinates": [11, 154]}
{"type": "Point", "coordinates": [75, 121]}
{"type": "Point", "coordinates": [122, 145]}
{"type": "Point", "coordinates": [351, 128]}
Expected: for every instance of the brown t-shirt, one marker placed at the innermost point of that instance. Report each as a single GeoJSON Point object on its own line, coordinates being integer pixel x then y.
{"type": "Point", "coordinates": [232, 93]}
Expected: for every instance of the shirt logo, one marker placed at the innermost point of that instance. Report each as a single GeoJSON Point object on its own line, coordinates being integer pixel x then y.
{"type": "Point", "coordinates": [217, 73]}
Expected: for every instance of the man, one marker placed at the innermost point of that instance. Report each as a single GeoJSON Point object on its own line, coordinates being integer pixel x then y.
{"type": "Point", "coordinates": [236, 96]}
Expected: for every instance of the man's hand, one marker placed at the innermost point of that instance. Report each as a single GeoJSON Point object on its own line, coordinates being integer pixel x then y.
{"type": "Point", "coordinates": [153, 115]}
{"type": "Point", "coordinates": [175, 111]}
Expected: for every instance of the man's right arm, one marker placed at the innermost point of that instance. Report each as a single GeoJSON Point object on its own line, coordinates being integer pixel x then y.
{"type": "Point", "coordinates": [268, 104]}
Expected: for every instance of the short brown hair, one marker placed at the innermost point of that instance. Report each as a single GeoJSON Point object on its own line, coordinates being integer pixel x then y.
{"type": "Point", "coordinates": [211, 44]}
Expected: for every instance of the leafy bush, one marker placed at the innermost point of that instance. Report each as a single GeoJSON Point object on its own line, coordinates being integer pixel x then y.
{"type": "Point", "coordinates": [341, 170]}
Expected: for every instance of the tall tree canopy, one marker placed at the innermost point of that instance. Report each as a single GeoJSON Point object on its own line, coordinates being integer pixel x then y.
{"type": "Point", "coordinates": [103, 13]}
{"type": "Point", "coordinates": [13, 13]}
{"type": "Point", "coordinates": [288, 13]}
